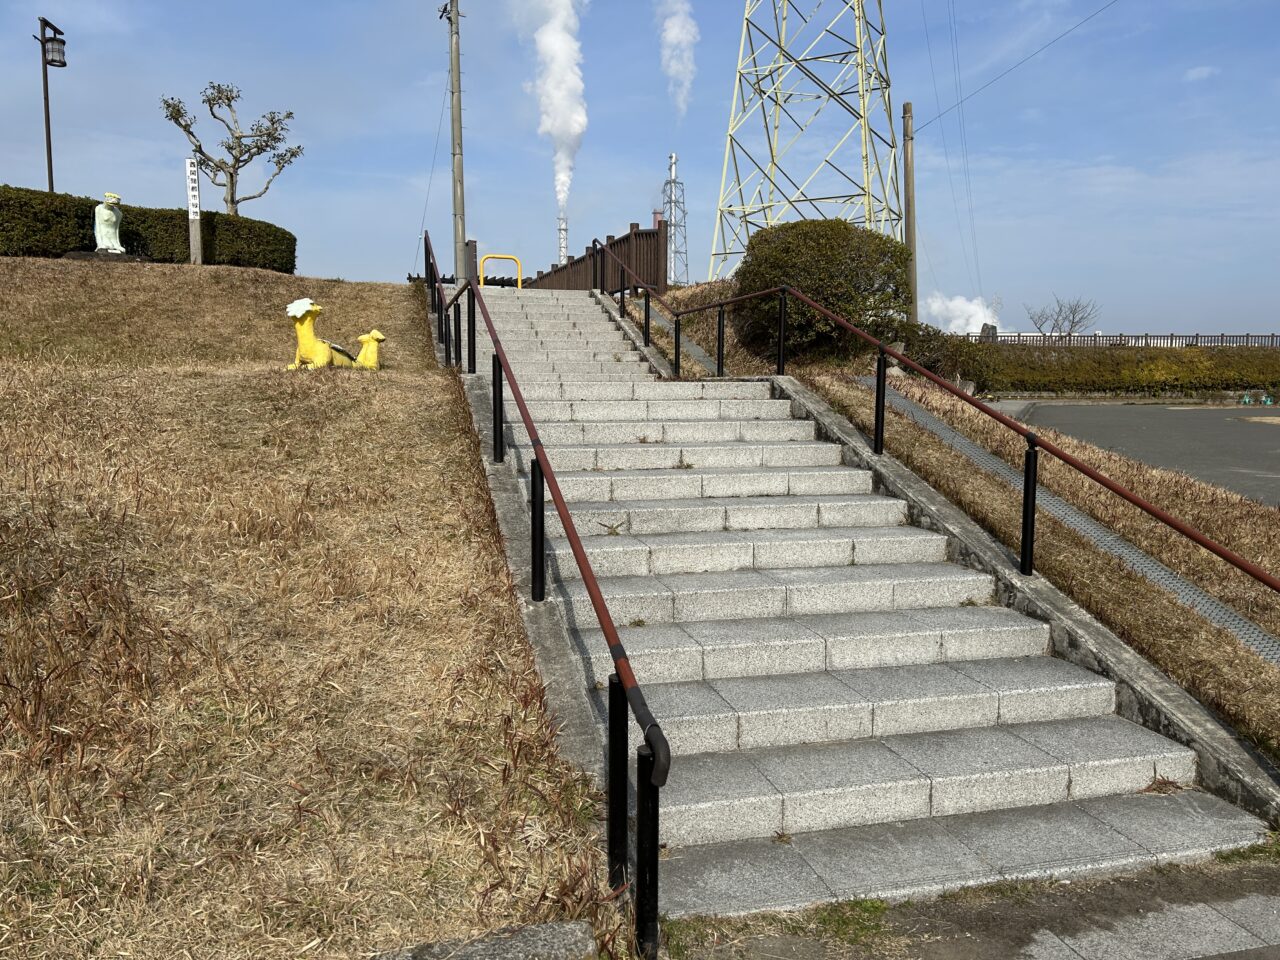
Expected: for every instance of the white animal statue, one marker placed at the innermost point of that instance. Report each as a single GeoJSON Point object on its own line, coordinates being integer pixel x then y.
{"type": "Point", "coordinates": [106, 224]}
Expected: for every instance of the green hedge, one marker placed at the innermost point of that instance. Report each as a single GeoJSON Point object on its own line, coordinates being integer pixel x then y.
{"type": "Point", "coordinates": [1121, 370]}
{"type": "Point", "coordinates": [34, 223]}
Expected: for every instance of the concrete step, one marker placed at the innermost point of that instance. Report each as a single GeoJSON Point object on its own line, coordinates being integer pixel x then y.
{"type": "Point", "coordinates": [656, 390]}
{"type": "Point", "coordinates": [926, 857]}
{"type": "Point", "coordinates": [552, 376]}
{"type": "Point", "coordinates": [639, 517]}
{"type": "Point", "coordinates": [574, 369]}
{"type": "Point", "coordinates": [524, 356]}
{"type": "Point", "coordinates": [722, 550]}
{"type": "Point", "coordinates": [713, 649]}
{"type": "Point", "coordinates": [659, 410]}
{"type": "Point", "coordinates": [824, 786]}
{"type": "Point", "coordinates": [670, 456]}
{"type": "Point", "coordinates": [682, 432]}
{"type": "Point", "coordinates": [758, 712]}
{"type": "Point", "coordinates": [575, 341]}
{"type": "Point", "coordinates": [753, 594]}
{"type": "Point", "coordinates": [689, 483]}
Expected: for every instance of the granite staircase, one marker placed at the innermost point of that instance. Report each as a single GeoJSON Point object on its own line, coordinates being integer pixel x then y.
{"type": "Point", "coordinates": [849, 713]}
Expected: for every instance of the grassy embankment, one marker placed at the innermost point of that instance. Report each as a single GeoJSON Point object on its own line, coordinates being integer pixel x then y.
{"type": "Point", "coordinates": [1204, 659]}
{"type": "Point", "coordinates": [264, 688]}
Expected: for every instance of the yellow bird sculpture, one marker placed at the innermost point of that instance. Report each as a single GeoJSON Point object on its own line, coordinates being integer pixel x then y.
{"type": "Point", "coordinates": [314, 352]}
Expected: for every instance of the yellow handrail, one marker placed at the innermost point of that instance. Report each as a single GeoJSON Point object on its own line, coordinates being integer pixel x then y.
{"type": "Point", "coordinates": [503, 256]}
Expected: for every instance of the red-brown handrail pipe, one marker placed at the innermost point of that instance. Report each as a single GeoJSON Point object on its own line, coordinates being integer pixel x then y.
{"type": "Point", "coordinates": [644, 717]}
{"type": "Point", "coordinates": [1191, 533]}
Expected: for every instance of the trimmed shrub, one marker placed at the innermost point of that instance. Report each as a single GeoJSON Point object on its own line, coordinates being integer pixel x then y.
{"type": "Point", "coordinates": [857, 273]}
{"type": "Point", "coordinates": [1007, 368]}
{"type": "Point", "coordinates": [34, 223]}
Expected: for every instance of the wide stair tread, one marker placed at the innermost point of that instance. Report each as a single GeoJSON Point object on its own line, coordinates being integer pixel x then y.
{"type": "Point", "coordinates": [713, 649]}
{"type": "Point", "coordinates": [690, 482]}
{"type": "Point", "coordinates": [748, 594]}
{"type": "Point", "coordinates": [721, 550]}
{"type": "Point", "coordinates": [740, 713]}
{"type": "Point", "coordinates": [930, 856]}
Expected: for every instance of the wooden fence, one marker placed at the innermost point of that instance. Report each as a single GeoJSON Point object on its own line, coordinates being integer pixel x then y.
{"type": "Point", "coordinates": [1271, 340]}
{"type": "Point", "coordinates": [644, 251]}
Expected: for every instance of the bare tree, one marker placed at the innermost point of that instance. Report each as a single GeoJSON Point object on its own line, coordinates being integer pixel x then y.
{"type": "Point", "coordinates": [266, 136]}
{"type": "Point", "coordinates": [1064, 318]}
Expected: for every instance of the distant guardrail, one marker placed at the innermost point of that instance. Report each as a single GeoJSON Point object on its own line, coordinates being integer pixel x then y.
{"type": "Point", "coordinates": [1265, 340]}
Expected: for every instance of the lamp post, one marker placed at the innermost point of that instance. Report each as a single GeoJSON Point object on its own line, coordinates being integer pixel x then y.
{"type": "Point", "coordinates": [53, 53]}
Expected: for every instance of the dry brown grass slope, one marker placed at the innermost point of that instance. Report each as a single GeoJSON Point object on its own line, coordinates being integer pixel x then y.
{"type": "Point", "coordinates": [264, 689]}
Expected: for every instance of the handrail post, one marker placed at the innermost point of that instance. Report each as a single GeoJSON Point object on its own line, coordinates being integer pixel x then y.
{"type": "Point", "coordinates": [622, 293]}
{"type": "Point", "coordinates": [646, 855]}
{"type": "Point", "coordinates": [447, 339]}
{"type": "Point", "coordinates": [499, 437]}
{"type": "Point", "coordinates": [537, 526]}
{"type": "Point", "coordinates": [617, 783]}
{"type": "Point", "coordinates": [471, 329]}
{"type": "Point", "coordinates": [457, 334]}
{"type": "Point", "coordinates": [1030, 469]}
{"type": "Point", "coordinates": [782, 331]}
{"type": "Point", "coordinates": [882, 370]}
{"type": "Point", "coordinates": [646, 316]}
{"type": "Point", "coordinates": [675, 365]}
{"type": "Point", "coordinates": [439, 316]}
{"type": "Point", "coordinates": [720, 342]}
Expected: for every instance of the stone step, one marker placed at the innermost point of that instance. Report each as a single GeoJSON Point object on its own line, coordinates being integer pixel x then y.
{"type": "Point", "coordinates": [690, 483]}
{"type": "Point", "coordinates": [926, 857]}
{"type": "Point", "coordinates": [758, 712]}
{"type": "Point", "coordinates": [670, 456]}
{"type": "Point", "coordinates": [572, 368]}
{"type": "Point", "coordinates": [712, 649]}
{"type": "Point", "coordinates": [524, 356]}
{"type": "Point", "coordinates": [810, 787]}
{"type": "Point", "coordinates": [638, 517]}
{"type": "Point", "coordinates": [655, 390]}
{"type": "Point", "coordinates": [753, 594]}
{"type": "Point", "coordinates": [576, 341]}
{"type": "Point", "coordinates": [544, 411]}
{"type": "Point", "coordinates": [724, 550]}
{"type": "Point", "coordinates": [682, 432]}
{"type": "Point", "coordinates": [552, 376]}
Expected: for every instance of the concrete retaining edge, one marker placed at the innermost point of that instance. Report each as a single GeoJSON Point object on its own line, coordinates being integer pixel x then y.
{"type": "Point", "coordinates": [1229, 767]}
{"type": "Point", "coordinates": [542, 941]}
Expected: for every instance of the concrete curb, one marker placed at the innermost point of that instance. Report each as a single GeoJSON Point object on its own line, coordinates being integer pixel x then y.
{"type": "Point", "coordinates": [1229, 767]}
{"type": "Point", "coordinates": [558, 663]}
{"type": "Point", "coordinates": [543, 941]}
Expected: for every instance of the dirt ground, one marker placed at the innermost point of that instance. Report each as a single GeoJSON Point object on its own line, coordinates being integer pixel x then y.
{"type": "Point", "coordinates": [264, 688]}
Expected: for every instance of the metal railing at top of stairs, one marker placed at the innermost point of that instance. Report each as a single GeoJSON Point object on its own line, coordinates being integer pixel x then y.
{"type": "Point", "coordinates": [653, 758]}
{"type": "Point", "coordinates": [883, 352]}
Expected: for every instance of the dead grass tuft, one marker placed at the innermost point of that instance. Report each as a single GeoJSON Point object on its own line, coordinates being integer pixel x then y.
{"type": "Point", "coordinates": [264, 688]}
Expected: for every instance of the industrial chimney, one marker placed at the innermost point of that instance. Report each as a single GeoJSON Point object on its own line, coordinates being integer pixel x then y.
{"type": "Point", "coordinates": [562, 229]}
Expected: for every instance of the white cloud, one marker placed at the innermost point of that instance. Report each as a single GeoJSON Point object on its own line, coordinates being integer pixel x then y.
{"type": "Point", "coordinates": [959, 314]}
{"type": "Point", "coordinates": [679, 33]}
{"type": "Point", "coordinates": [1196, 74]}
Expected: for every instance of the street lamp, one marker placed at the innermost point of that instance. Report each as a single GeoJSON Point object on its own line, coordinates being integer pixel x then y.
{"type": "Point", "coordinates": [53, 53]}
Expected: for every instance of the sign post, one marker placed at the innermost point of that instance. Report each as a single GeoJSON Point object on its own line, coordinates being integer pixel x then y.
{"type": "Point", "coordinates": [193, 210]}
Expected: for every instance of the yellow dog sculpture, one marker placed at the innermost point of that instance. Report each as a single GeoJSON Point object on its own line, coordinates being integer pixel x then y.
{"type": "Point", "coordinates": [314, 352]}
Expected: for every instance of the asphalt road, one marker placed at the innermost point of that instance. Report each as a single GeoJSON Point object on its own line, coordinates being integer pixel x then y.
{"type": "Point", "coordinates": [1233, 447]}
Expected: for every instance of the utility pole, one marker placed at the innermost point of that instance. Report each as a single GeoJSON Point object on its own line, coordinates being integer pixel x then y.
{"type": "Point", "coordinates": [450, 12]}
{"type": "Point", "coordinates": [909, 202]}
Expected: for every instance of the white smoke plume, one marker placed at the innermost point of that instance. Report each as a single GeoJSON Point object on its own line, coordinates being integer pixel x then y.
{"type": "Point", "coordinates": [959, 314]}
{"type": "Point", "coordinates": [562, 108]}
{"type": "Point", "coordinates": [679, 34]}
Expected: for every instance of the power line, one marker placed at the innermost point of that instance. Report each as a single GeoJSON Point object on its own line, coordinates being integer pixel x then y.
{"type": "Point", "coordinates": [946, 150]}
{"type": "Point", "coordinates": [1029, 56]}
{"type": "Point", "coordinates": [435, 151]}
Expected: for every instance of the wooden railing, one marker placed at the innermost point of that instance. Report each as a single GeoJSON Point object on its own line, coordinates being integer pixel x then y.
{"type": "Point", "coordinates": [643, 251]}
{"type": "Point", "coordinates": [1167, 340]}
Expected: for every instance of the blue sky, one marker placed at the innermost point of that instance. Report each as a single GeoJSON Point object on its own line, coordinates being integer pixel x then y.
{"type": "Point", "coordinates": [1136, 162]}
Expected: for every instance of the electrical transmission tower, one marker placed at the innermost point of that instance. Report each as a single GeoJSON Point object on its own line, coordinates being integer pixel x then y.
{"type": "Point", "coordinates": [677, 236]}
{"type": "Point", "coordinates": [811, 132]}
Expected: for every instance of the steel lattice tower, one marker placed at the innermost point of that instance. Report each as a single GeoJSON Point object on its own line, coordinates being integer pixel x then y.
{"type": "Point", "coordinates": [811, 130]}
{"type": "Point", "coordinates": [673, 212]}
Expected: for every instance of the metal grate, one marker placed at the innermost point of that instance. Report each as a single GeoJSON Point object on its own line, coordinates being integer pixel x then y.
{"type": "Point", "coordinates": [1217, 613]}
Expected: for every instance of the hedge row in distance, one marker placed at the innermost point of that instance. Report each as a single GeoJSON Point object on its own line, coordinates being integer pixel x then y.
{"type": "Point", "coordinates": [34, 223]}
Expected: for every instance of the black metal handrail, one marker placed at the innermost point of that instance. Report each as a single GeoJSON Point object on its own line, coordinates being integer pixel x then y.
{"type": "Point", "coordinates": [653, 759]}
{"type": "Point", "coordinates": [1034, 443]}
